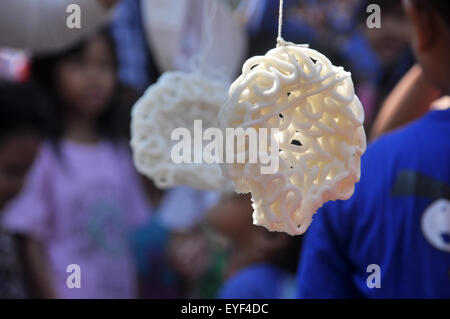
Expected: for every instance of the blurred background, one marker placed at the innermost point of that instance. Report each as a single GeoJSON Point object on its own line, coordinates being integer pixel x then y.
{"type": "Point", "coordinates": [83, 203]}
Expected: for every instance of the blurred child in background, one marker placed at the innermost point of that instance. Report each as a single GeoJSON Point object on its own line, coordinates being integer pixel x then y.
{"type": "Point", "coordinates": [198, 260]}
{"type": "Point", "coordinates": [175, 256]}
{"type": "Point", "coordinates": [83, 195]}
{"type": "Point", "coordinates": [23, 121]}
{"type": "Point", "coordinates": [262, 264]}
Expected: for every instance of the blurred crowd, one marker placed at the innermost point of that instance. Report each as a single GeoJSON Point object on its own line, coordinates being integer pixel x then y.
{"type": "Point", "coordinates": [77, 199]}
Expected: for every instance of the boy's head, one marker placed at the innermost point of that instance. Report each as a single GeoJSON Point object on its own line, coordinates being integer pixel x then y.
{"type": "Point", "coordinates": [22, 124]}
{"type": "Point", "coordinates": [430, 36]}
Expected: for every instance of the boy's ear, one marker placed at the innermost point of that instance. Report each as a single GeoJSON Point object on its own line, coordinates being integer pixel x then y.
{"type": "Point", "coordinates": [423, 23]}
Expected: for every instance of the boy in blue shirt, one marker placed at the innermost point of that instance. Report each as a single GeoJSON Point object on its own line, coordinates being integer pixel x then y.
{"type": "Point", "coordinates": [392, 238]}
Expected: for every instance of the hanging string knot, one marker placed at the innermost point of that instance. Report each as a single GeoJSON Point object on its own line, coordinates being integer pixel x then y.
{"type": "Point", "coordinates": [280, 41]}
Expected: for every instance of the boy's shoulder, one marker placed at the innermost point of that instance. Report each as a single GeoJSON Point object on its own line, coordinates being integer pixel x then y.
{"type": "Point", "coordinates": [423, 145]}
{"type": "Point", "coordinates": [395, 165]}
{"type": "Point", "coordinates": [434, 124]}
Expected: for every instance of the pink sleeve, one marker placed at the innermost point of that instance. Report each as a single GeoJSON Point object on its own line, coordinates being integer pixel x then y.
{"type": "Point", "coordinates": [28, 213]}
{"type": "Point", "coordinates": [138, 206]}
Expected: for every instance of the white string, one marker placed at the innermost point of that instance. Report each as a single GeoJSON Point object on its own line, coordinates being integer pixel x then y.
{"type": "Point", "coordinates": [209, 13]}
{"type": "Point", "coordinates": [198, 61]}
{"type": "Point", "coordinates": [280, 40]}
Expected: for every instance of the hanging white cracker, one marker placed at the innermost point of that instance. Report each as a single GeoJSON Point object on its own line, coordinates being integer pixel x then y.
{"type": "Point", "coordinates": [321, 136]}
{"type": "Point", "coordinates": [176, 101]}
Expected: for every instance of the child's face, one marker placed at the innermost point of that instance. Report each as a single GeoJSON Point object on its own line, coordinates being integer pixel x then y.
{"type": "Point", "coordinates": [17, 153]}
{"type": "Point", "coordinates": [188, 254]}
{"type": "Point", "coordinates": [86, 81]}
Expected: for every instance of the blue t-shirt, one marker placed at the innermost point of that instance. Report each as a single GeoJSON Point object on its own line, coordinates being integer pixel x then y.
{"type": "Point", "coordinates": [398, 220]}
{"type": "Point", "coordinates": [259, 281]}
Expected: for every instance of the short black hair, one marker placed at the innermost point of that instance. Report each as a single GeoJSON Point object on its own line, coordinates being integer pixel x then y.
{"type": "Point", "coordinates": [23, 109]}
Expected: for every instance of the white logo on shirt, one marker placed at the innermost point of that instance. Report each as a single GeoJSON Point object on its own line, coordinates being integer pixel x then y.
{"type": "Point", "coordinates": [436, 224]}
